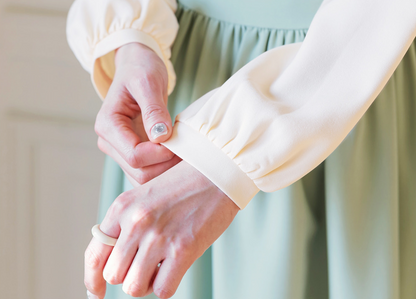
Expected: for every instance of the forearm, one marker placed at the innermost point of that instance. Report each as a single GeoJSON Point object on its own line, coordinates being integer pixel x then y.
{"type": "Point", "coordinates": [286, 111]}
{"type": "Point", "coordinates": [96, 28]}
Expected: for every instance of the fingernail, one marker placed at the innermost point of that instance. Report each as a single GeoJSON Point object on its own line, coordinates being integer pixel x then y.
{"type": "Point", "coordinates": [92, 296]}
{"type": "Point", "coordinates": [159, 130]}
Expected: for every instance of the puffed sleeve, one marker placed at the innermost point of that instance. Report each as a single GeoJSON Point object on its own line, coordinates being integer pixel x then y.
{"type": "Point", "coordinates": [283, 113]}
{"type": "Point", "coordinates": [95, 28]}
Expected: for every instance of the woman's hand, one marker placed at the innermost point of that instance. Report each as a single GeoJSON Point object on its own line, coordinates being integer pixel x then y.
{"type": "Point", "coordinates": [171, 220]}
{"type": "Point", "coordinates": [134, 112]}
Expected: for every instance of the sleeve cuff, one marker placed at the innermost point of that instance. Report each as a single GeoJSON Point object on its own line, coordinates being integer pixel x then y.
{"type": "Point", "coordinates": [199, 152]}
{"type": "Point", "coordinates": [103, 67]}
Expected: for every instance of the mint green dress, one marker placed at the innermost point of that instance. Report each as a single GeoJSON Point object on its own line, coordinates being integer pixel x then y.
{"type": "Point", "coordinates": [347, 230]}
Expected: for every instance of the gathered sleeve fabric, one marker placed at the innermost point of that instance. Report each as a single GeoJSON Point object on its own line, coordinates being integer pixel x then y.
{"type": "Point", "coordinates": [283, 113]}
{"type": "Point", "coordinates": [95, 28]}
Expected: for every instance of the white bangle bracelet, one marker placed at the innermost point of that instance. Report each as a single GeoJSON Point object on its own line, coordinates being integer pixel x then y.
{"type": "Point", "coordinates": [103, 238]}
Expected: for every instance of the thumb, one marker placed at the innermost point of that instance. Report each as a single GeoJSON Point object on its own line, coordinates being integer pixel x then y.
{"type": "Point", "coordinates": [155, 115]}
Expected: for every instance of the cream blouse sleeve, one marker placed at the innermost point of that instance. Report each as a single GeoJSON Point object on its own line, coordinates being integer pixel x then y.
{"type": "Point", "coordinates": [283, 113]}
{"type": "Point", "coordinates": [95, 28]}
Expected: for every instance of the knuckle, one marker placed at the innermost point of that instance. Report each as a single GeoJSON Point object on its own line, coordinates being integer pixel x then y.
{"type": "Point", "coordinates": [135, 289]}
{"type": "Point", "coordinates": [168, 154]}
{"type": "Point", "coordinates": [142, 218]}
{"type": "Point", "coordinates": [119, 205]}
{"type": "Point", "coordinates": [182, 248]}
{"type": "Point", "coordinates": [155, 239]}
{"type": "Point", "coordinates": [142, 177]}
{"type": "Point", "coordinates": [164, 293]}
{"type": "Point", "coordinates": [134, 160]}
{"type": "Point", "coordinates": [142, 180]}
{"type": "Point", "coordinates": [93, 288]}
{"type": "Point", "coordinates": [152, 111]}
{"type": "Point", "coordinates": [112, 278]}
{"type": "Point", "coordinates": [164, 154]}
{"type": "Point", "coordinates": [101, 145]}
{"type": "Point", "coordinates": [99, 127]}
{"type": "Point", "coordinates": [92, 258]}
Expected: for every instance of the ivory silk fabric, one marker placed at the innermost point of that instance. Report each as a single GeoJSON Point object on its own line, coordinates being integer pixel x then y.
{"type": "Point", "coordinates": [345, 230]}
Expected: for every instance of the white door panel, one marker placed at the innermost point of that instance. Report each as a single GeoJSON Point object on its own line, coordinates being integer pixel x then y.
{"type": "Point", "coordinates": [50, 167]}
{"type": "Point", "coordinates": [39, 72]}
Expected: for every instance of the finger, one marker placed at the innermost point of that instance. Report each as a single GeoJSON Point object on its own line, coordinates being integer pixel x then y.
{"type": "Point", "coordinates": [121, 258]}
{"type": "Point", "coordinates": [152, 98]}
{"type": "Point", "coordinates": [150, 290]}
{"type": "Point", "coordinates": [169, 276]}
{"type": "Point", "coordinates": [150, 172]}
{"type": "Point", "coordinates": [118, 132]}
{"type": "Point", "coordinates": [115, 123]}
{"type": "Point", "coordinates": [132, 181]}
{"type": "Point", "coordinates": [96, 256]}
{"type": "Point", "coordinates": [138, 281]}
{"type": "Point", "coordinates": [145, 153]}
{"type": "Point", "coordinates": [143, 174]}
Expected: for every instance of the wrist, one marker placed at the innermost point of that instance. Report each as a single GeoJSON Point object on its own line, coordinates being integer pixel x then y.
{"type": "Point", "coordinates": [200, 179]}
{"type": "Point", "coordinates": [137, 61]}
{"type": "Point", "coordinates": [128, 53]}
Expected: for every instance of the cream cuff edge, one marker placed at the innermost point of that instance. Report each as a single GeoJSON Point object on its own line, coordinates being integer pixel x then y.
{"type": "Point", "coordinates": [114, 41]}
{"type": "Point", "coordinates": [198, 151]}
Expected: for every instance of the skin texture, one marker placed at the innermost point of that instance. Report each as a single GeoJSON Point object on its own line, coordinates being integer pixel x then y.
{"type": "Point", "coordinates": [174, 213]}
{"type": "Point", "coordinates": [135, 102]}
{"type": "Point", "coordinates": [170, 220]}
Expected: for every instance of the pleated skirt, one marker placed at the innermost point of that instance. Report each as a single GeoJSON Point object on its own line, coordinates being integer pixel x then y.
{"type": "Point", "coordinates": [347, 230]}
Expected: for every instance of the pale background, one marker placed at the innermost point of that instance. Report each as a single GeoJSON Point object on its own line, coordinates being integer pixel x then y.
{"type": "Point", "coordinates": [50, 167]}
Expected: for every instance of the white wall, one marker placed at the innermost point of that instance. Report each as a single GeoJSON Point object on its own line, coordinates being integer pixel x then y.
{"type": "Point", "coordinates": [50, 167]}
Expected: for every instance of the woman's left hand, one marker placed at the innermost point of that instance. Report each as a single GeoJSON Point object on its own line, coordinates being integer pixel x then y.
{"type": "Point", "coordinates": [170, 220]}
{"type": "Point", "coordinates": [134, 105]}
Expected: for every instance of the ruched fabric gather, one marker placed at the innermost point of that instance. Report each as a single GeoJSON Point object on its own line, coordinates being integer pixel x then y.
{"type": "Point", "coordinates": [95, 30]}
{"type": "Point", "coordinates": [346, 230]}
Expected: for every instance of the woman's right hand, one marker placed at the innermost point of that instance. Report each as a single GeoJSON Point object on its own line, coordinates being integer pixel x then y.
{"type": "Point", "coordinates": [172, 225]}
{"type": "Point", "coordinates": [134, 119]}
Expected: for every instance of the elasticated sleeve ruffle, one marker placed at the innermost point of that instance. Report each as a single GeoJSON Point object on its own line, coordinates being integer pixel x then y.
{"type": "Point", "coordinates": [95, 28]}
{"type": "Point", "coordinates": [283, 113]}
